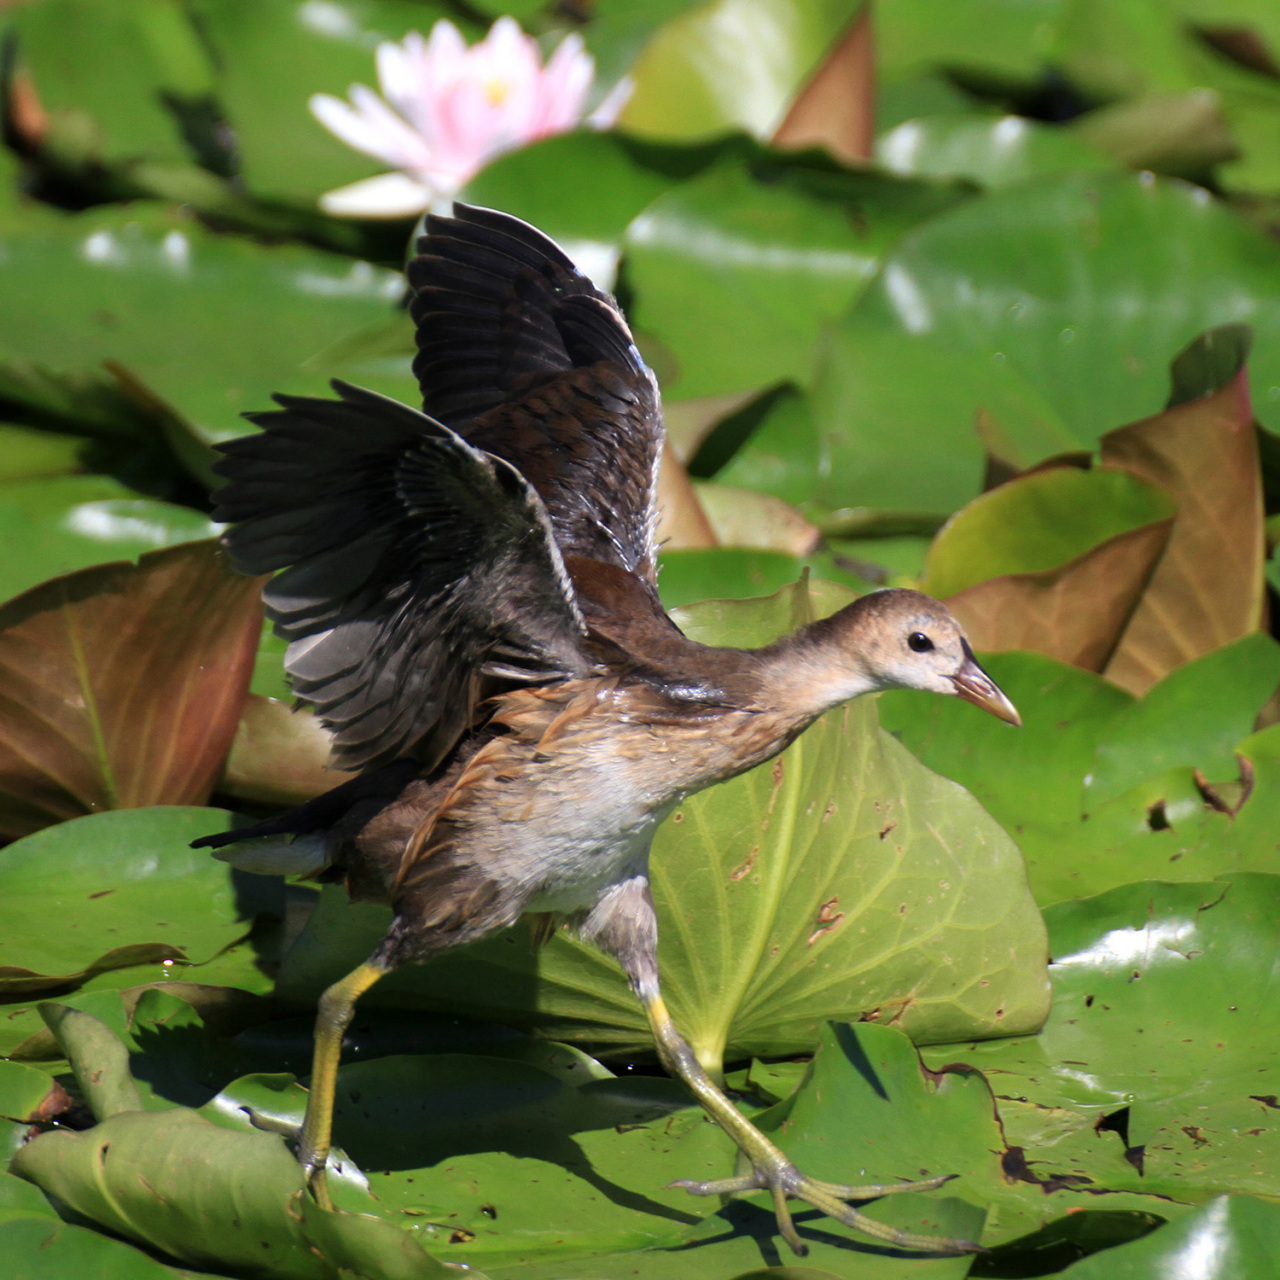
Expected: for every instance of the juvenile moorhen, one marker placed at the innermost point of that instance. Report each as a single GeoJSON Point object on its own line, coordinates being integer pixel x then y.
{"type": "Point", "coordinates": [470, 599]}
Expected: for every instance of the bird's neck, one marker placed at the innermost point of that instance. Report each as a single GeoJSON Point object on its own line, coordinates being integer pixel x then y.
{"type": "Point", "coordinates": [813, 670]}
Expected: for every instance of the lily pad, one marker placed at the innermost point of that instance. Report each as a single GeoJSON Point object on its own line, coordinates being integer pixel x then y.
{"type": "Point", "coordinates": [37, 1249]}
{"type": "Point", "coordinates": [841, 879]}
{"type": "Point", "coordinates": [1154, 1070]}
{"type": "Point", "coordinates": [867, 1112]}
{"type": "Point", "coordinates": [1166, 824]}
{"type": "Point", "coordinates": [1232, 1238]}
{"type": "Point", "coordinates": [230, 1201]}
{"type": "Point", "coordinates": [1208, 588]}
{"type": "Point", "coordinates": [83, 731]}
{"type": "Point", "coordinates": [995, 152]}
{"type": "Point", "coordinates": [1039, 521]}
{"type": "Point", "coordinates": [1170, 727]}
{"type": "Point", "coordinates": [735, 271]}
{"type": "Point", "coordinates": [145, 288]}
{"type": "Point", "coordinates": [55, 526]}
{"type": "Point", "coordinates": [1082, 285]}
{"type": "Point", "coordinates": [714, 69]}
{"type": "Point", "coordinates": [126, 892]}
{"type": "Point", "coordinates": [867, 383]}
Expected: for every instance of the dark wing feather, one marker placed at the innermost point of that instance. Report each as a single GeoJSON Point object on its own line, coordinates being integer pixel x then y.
{"type": "Point", "coordinates": [526, 359]}
{"type": "Point", "coordinates": [413, 562]}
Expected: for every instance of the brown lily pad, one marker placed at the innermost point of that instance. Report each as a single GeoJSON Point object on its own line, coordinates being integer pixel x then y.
{"type": "Point", "coordinates": [1208, 588]}
{"type": "Point", "coordinates": [121, 685]}
{"type": "Point", "coordinates": [1076, 612]}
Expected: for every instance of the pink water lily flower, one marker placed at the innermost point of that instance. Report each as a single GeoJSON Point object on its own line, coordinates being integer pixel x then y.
{"type": "Point", "coordinates": [446, 110]}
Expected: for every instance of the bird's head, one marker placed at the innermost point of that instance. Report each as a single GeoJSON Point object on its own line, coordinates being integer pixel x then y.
{"type": "Point", "coordinates": [905, 640]}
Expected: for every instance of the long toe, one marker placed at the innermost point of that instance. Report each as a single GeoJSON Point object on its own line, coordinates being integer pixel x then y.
{"type": "Point", "coordinates": [787, 1181]}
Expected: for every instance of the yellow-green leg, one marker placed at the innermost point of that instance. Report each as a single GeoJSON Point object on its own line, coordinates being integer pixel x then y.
{"type": "Point", "coordinates": [770, 1169]}
{"type": "Point", "coordinates": [336, 1007]}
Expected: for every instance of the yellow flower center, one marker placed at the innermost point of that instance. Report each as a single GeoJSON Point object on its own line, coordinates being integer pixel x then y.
{"type": "Point", "coordinates": [496, 90]}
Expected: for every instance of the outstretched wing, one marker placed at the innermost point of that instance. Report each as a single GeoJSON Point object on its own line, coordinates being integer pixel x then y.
{"type": "Point", "coordinates": [413, 563]}
{"type": "Point", "coordinates": [526, 359]}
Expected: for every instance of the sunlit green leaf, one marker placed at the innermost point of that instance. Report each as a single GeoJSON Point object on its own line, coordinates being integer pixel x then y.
{"type": "Point", "coordinates": [157, 294]}
{"type": "Point", "coordinates": [55, 526]}
{"type": "Point", "coordinates": [1163, 999]}
{"type": "Point", "coordinates": [736, 271]}
{"type": "Point", "coordinates": [1232, 1238]}
{"type": "Point", "coordinates": [127, 892]}
{"type": "Point", "coordinates": [37, 1249]}
{"type": "Point", "coordinates": [1084, 285]}
{"type": "Point", "coordinates": [868, 384]}
{"type": "Point", "coordinates": [1172, 725]}
{"type": "Point", "coordinates": [867, 1112]}
{"type": "Point", "coordinates": [994, 152]}
{"type": "Point", "coordinates": [1039, 521]}
{"type": "Point", "coordinates": [731, 64]}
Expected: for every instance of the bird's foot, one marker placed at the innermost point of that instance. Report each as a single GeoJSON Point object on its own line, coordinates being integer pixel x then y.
{"type": "Point", "coordinates": [783, 1180]}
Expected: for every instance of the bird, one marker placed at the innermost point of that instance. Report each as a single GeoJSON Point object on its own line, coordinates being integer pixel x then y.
{"type": "Point", "coordinates": [469, 596]}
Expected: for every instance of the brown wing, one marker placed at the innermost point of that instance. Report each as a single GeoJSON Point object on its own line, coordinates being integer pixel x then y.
{"type": "Point", "coordinates": [526, 359]}
{"type": "Point", "coordinates": [413, 564]}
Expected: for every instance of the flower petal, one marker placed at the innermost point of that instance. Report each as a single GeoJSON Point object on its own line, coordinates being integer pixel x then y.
{"type": "Point", "coordinates": [365, 130]}
{"type": "Point", "coordinates": [390, 195]}
{"type": "Point", "coordinates": [605, 116]}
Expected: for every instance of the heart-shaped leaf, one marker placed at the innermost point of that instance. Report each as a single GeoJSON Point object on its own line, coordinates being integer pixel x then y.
{"type": "Point", "coordinates": [123, 685]}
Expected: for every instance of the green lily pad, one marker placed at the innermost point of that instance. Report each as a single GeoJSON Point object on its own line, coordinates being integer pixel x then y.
{"type": "Point", "coordinates": [1040, 521]}
{"type": "Point", "coordinates": [741, 1241]}
{"type": "Point", "coordinates": [867, 1112]}
{"type": "Point", "coordinates": [1154, 819]}
{"type": "Point", "coordinates": [735, 271]}
{"type": "Point", "coordinates": [55, 526]}
{"type": "Point", "coordinates": [998, 42]}
{"type": "Point", "coordinates": [127, 892]}
{"type": "Point", "coordinates": [868, 383]}
{"type": "Point", "coordinates": [37, 1249]}
{"type": "Point", "coordinates": [733, 64]}
{"type": "Point", "coordinates": [1161, 1017]}
{"type": "Point", "coordinates": [22, 1090]}
{"type": "Point", "coordinates": [114, 91]}
{"type": "Point", "coordinates": [840, 879]}
{"type": "Point", "coordinates": [724, 573]}
{"type": "Point", "coordinates": [1172, 725]}
{"type": "Point", "coordinates": [146, 288]}
{"type": "Point", "coordinates": [1082, 285]}
{"type": "Point", "coordinates": [994, 152]}
{"type": "Point", "coordinates": [29, 454]}
{"type": "Point", "coordinates": [1231, 1238]}
{"type": "Point", "coordinates": [494, 1161]}
{"type": "Point", "coordinates": [230, 1200]}
{"type": "Point", "coordinates": [19, 1199]}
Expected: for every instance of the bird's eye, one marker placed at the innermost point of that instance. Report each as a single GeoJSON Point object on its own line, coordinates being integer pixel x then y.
{"type": "Point", "coordinates": [920, 642]}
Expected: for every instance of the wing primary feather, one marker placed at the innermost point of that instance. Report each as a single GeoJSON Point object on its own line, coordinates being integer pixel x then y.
{"type": "Point", "coordinates": [396, 537]}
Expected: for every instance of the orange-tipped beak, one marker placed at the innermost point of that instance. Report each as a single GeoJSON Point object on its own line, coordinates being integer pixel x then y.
{"type": "Point", "coordinates": [974, 685]}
